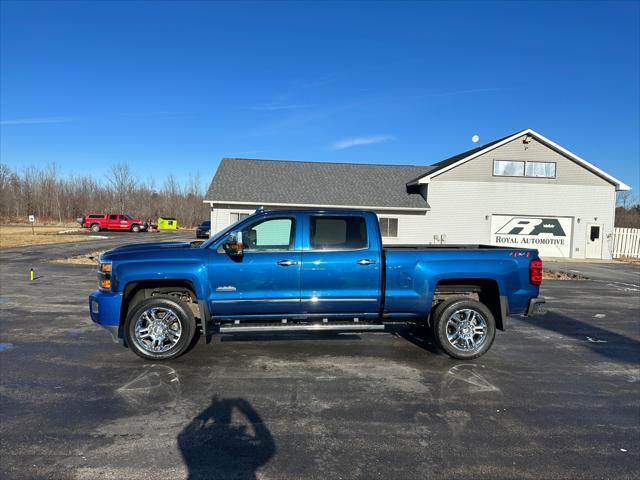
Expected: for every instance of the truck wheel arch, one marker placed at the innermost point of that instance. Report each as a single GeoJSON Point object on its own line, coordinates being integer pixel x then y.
{"type": "Point", "coordinates": [485, 290]}
{"type": "Point", "coordinates": [136, 291]}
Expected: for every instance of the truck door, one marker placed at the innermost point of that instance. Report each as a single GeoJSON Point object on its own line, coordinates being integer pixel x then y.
{"type": "Point", "coordinates": [113, 222]}
{"type": "Point", "coordinates": [124, 222]}
{"type": "Point", "coordinates": [266, 279]}
{"type": "Point", "coordinates": [341, 266]}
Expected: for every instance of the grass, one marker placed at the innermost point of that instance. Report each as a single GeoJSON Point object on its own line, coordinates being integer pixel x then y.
{"type": "Point", "coordinates": [86, 259]}
{"type": "Point", "coordinates": [560, 275]}
{"type": "Point", "coordinates": [22, 235]}
{"type": "Point", "coordinates": [631, 260]}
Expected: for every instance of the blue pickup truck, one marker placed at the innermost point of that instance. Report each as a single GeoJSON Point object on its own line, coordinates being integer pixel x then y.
{"type": "Point", "coordinates": [310, 270]}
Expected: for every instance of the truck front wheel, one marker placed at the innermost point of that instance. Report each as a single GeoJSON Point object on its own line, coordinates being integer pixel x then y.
{"type": "Point", "coordinates": [463, 328]}
{"type": "Point", "coordinates": [135, 228]}
{"type": "Point", "coordinates": [159, 328]}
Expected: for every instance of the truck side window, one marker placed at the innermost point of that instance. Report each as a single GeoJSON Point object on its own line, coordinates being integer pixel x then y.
{"type": "Point", "coordinates": [113, 217]}
{"type": "Point", "coordinates": [338, 233]}
{"type": "Point", "coordinates": [270, 235]}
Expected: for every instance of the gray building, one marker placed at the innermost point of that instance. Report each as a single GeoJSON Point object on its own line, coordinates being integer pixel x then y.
{"type": "Point", "coordinates": [522, 190]}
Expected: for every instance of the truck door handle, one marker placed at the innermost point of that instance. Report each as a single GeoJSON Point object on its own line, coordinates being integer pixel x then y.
{"type": "Point", "coordinates": [287, 263]}
{"type": "Point", "coordinates": [366, 261]}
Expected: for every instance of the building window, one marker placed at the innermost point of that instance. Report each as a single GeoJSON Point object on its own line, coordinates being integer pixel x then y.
{"type": "Point", "coordinates": [338, 233]}
{"type": "Point", "coordinates": [540, 169]}
{"type": "Point", "coordinates": [511, 168]}
{"type": "Point", "coordinates": [505, 168]}
{"type": "Point", "coordinates": [389, 227]}
{"type": "Point", "coordinates": [236, 217]}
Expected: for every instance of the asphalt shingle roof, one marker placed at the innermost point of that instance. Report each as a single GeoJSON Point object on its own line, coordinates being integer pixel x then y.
{"type": "Point", "coordinates": [314, 183]}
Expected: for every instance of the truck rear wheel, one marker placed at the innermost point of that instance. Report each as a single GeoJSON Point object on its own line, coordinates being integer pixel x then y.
{"type": "Point", "coordinates": [95, 227]}
{"type": "Point", "coordinates": [463, 328]}
{"type": "Point", "coordinates": [159, 328]}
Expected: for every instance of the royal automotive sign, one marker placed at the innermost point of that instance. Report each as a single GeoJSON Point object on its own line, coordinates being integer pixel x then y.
{"type": "Point", "coordinates": [550, 235]}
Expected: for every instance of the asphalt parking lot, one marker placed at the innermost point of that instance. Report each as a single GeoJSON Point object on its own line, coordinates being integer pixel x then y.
{"type": "Point", "coordinates": [558, 396]}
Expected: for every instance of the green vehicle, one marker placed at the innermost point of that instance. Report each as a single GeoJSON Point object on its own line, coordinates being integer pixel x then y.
{"type": "Point", "coordinates": [167, 223]}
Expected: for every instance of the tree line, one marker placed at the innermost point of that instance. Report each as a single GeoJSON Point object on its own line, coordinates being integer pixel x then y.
{"type": "Point", "coordinates": [52, 197]}
{"type": "Point", "coordinates": [627, 210]}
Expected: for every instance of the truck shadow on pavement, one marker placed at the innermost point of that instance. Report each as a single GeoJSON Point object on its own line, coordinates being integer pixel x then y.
{"type": "Point", "coordinates": [420, 335]}
{"type": "Point", "coordinates": [604, 342]}
{"type": "Point", "coordinates": [226, 440]}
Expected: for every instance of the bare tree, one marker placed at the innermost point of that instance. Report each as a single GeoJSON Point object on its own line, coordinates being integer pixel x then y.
{"type": "Point", "coordinates": [53, 197]}
{"type": "Point", "coordinates": [122, 183]}
{"type": "Point", "coordinates": [624, 199]}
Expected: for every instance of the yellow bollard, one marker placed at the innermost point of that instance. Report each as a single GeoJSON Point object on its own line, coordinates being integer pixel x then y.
{"type": "Point", "coordinates": [31, 275]}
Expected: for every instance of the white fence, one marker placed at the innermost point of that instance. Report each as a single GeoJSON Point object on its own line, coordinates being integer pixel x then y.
{"type": "Point", "coordinates": [626, 242]}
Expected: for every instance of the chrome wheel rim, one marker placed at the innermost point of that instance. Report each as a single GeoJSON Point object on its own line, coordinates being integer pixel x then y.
{"type": "Point", "coordinates": [158, 330]}
{"type": "Point", "coordinates": [466, 330]}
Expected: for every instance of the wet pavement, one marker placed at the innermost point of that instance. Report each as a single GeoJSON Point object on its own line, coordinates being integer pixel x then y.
{"type": "Point", "coordinates": [558, 396]}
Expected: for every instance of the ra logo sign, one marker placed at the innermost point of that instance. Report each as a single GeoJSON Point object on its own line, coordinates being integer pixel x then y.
{"type": "Point", "coordinates": [532, 226]}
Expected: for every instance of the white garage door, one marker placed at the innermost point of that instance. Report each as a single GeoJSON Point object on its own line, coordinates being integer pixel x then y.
{"type": "Point", "coordinates": [550, 235]}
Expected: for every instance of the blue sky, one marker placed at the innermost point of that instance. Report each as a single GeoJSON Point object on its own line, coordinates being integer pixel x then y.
{"type": "Point", "coordinates": [171, 88]}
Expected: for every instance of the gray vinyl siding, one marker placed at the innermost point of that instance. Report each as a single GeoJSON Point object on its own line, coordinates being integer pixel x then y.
{"type": "Point", "coordinates": [463, 199]}
{"type": "Point", "coordinates": [221, 217]}
{"type": "Point", "coordinates": [461, 210]}
{"type": "Point", "coordinates": [480, 169]}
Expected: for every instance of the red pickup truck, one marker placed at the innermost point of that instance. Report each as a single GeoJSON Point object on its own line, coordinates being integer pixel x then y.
{"type": "Point", "coordinates": [113, 221]}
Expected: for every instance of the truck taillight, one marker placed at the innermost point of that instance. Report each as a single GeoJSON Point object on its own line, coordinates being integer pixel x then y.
{"type": "Point", "coordinates": [535, 271]}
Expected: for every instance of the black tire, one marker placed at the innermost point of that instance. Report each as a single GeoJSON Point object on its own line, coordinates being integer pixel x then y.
{"type": "Point", "coordinates": [183, 313]}
{"type": "Point", "coordinates": [135, 228]}
{"type": "Point", "coordinates": [95, 227]}
{"type": "Point", "coordinates": [458, 347]}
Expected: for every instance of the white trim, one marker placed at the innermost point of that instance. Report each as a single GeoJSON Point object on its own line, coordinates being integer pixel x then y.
{"type": "Point", "coordinates": [312, 205]}
{"type": "Point", "coordinates": [618, 184]}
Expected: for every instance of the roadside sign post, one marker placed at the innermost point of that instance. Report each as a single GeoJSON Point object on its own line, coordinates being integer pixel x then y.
{"type": "Point", "coordinates": [32, 220]}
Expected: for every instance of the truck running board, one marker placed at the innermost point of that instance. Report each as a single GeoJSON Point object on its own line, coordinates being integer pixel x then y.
{"type": "Point", "coordinates": [300, 327]}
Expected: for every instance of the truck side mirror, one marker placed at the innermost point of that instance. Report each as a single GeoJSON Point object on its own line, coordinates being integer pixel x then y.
{"type": "Point", "coordinates": [233, 245]}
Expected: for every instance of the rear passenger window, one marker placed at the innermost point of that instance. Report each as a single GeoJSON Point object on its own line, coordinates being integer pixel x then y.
{"type": "Point", "coordinates": [338, 233]}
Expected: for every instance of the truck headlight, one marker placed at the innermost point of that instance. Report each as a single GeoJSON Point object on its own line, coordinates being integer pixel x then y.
{"type": "Point", "coordinates": [105, 275]}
